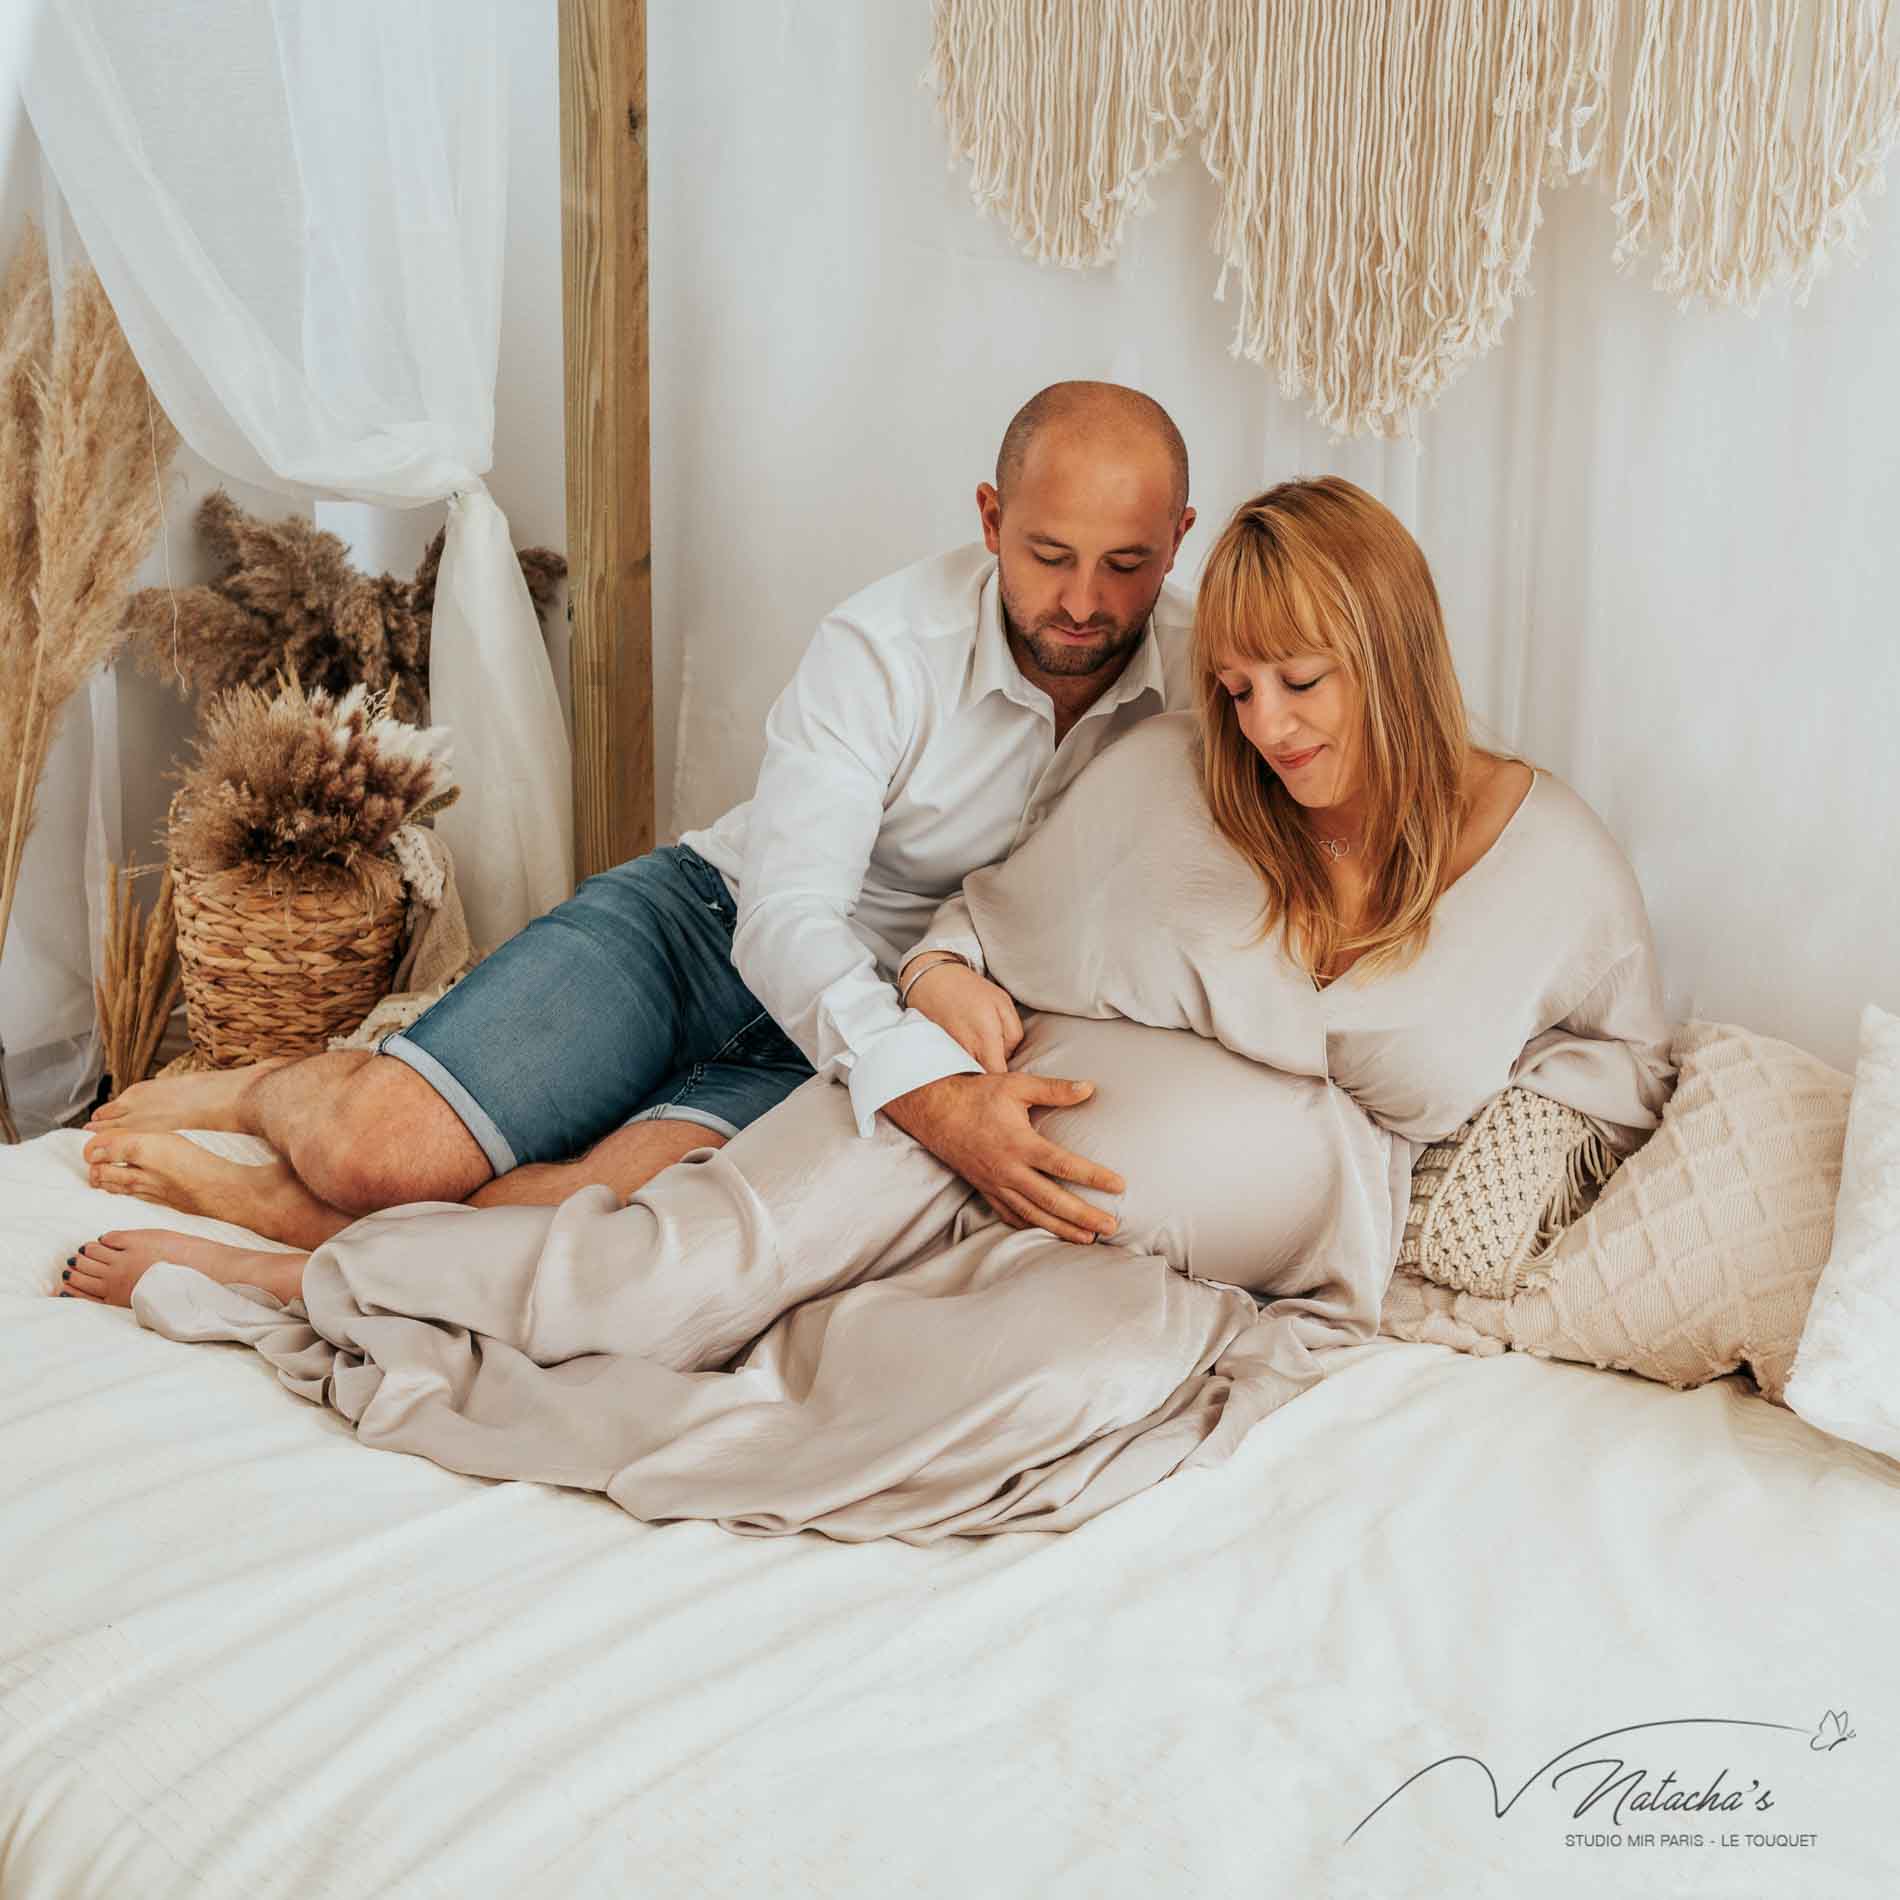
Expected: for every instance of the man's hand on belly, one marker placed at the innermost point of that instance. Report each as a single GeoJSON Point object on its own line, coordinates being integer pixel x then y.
{"type": "Point", "coordinates": [979, 1125]}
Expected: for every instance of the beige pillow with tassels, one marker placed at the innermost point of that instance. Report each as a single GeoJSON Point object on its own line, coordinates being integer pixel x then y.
{"type": "Point", "coordinates": [1699, 1257]}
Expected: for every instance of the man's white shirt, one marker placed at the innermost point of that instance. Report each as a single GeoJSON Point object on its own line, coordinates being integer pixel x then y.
{"type": "Point", "coordinates": [907, 752]}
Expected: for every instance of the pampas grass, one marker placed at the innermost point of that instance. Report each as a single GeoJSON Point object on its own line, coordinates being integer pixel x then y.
{"type": "Point", "coordinates": [302, 786]}
{"type": "Point", "coordinates": [141, 979]}
{"type": "Point", "coordinates": [286, 598]}
{"type": "Point", "coordinates": [82, 450]}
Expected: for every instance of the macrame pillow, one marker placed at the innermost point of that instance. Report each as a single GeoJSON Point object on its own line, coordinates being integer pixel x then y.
{"type": "Point", "coordinates": [1495, 1195]}
{"type": "Point", "coordinates": [1702, 1253]}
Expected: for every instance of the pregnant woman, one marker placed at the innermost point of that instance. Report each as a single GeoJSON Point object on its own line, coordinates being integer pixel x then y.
{"type": "Point", "coordinates": [1289, 942]}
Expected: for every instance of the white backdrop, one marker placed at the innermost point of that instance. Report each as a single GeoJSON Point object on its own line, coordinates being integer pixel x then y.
{"type": "Point", "coordinates": [1668, 544]}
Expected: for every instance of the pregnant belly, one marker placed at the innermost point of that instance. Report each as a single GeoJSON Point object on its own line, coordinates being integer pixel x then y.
{"type": "Point", "coordinates": [1236, 1172]}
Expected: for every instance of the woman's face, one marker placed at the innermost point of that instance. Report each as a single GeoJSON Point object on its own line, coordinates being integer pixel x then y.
{"type": "Point", "coordinates": [1303, 716]}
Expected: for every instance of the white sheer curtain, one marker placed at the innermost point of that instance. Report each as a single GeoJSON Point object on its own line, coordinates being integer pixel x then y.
{"type": "Point", "coordinates": [1665, 540]}
{"type": "Point", "coordinates": [297, 208]}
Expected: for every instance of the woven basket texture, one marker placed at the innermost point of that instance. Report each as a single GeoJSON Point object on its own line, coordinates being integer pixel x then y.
{"type": "Point", "coordinates": [271, 970]}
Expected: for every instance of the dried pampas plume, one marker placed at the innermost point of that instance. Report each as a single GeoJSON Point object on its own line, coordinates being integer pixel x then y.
{"type": "Point", "coordinates": [287, 598]}
{"type": "Point", "coordinates": [302, 786]}
{"type": "Point", "coordinates": [82, 450]}
{"type": "Point", "coordinates": [141, 979]}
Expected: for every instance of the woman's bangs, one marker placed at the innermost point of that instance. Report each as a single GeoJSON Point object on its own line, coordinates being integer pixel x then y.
{"type": "Point", "coordinates": [1255, 606]}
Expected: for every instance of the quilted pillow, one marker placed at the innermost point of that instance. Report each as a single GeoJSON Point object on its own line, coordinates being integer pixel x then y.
{"type": "Point", "coordinates": [1843, 1379]}
{"type": "Point", "coordinates": [1703, 1252]}
{"type": "Point", "coordinates": [1492, 1197]}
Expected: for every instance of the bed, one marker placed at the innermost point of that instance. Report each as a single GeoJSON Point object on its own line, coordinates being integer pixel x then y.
{"type": "Point", "coordinates": [242, 1654]}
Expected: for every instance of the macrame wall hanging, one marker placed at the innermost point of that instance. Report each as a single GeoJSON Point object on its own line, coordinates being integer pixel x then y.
{"type": "Point", "coordinates": [1380, 162]}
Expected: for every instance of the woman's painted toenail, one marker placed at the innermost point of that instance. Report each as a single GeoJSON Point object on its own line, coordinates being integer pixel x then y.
{"type": "Point", "coordinates": [72, 1260]}
{"type": "Point", "coordinates": [67, 1274]}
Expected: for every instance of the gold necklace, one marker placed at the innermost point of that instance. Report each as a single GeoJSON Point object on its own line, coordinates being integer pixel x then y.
{"type": "Point", "coordinates": [1336, 848]}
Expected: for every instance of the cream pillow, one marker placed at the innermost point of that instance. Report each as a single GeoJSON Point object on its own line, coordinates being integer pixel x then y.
{"type": "Point", "coordinates": [1702, 1253]}
{"type": "Point", "coordinates": [1844, 1377]}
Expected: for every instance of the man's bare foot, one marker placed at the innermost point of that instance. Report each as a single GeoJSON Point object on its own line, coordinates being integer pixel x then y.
{"type": "Point", "coordinates": [107, 1269]}
{"type": "Point", "coordinates": [205, 1099]}
{"type": "Point", "coordinates": [176, 1172]}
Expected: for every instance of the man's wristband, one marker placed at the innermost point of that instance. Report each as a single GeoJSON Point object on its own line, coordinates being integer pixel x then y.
{"type": "Point", "coordinates": [917, 976]}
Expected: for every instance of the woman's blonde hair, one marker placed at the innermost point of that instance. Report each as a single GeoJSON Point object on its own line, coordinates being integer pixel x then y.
{"type": "Point", "coordinates": [1321, 567]}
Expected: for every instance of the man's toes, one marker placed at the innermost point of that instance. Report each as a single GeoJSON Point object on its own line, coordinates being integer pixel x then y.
{"type": "Point", "coordinates": [124, 1175]}
{"type": "Point", "coordinates": [112, 1150]}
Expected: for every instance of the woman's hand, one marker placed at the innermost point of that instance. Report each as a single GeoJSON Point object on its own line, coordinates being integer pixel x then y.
{"type": "Point", "coordinates": [979, 1014]}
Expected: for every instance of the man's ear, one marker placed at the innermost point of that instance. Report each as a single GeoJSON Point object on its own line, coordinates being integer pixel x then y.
{"type": "Point", "coordinates": [989, 508]}
{"type": "Point", "coordinates": [1180, 533]}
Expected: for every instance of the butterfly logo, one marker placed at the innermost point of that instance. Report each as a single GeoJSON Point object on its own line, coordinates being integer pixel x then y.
{"type": "Point", "coordinates": [1832, 1732]}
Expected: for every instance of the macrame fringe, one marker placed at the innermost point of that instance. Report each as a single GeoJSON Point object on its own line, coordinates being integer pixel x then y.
{"type": "Point", "coordinates": [1379, 165]}
{"type": "Point", "coordinates": [1743, 173]}
{"type": "Point", "coordinates": [1380, 162]}
{"type": "Point", "coordinates": [1065, 113]}
{"type": "Point", "coordinates": [1589, 1167]}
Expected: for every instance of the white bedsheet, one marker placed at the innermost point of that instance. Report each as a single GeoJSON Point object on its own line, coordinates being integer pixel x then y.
{"type": "Point", "coordinates": [242, 1654]}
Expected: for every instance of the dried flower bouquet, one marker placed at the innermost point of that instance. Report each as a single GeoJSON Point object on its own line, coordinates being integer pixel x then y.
{"type": "Point", "coordinates": [290, 901]}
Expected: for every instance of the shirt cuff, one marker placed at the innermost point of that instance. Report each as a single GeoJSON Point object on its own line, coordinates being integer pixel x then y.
{"type": "Point", "coordinates": [910, 1053]}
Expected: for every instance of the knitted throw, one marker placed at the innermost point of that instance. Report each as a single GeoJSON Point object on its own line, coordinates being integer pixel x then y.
{"type": "Point", "coordinates": [1380, 162]}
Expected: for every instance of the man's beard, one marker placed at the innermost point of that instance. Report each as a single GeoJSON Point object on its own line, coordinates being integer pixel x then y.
{"type": "Point", "coordinates": [1058, 657]}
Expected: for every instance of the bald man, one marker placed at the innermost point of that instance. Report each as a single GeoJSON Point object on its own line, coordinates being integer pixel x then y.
{"type": "Point", "coordinates": [930, 725]}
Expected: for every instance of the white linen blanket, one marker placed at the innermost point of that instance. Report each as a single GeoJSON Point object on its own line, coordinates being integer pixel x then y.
{"type": "Point", "coordinates": [243, 1659]}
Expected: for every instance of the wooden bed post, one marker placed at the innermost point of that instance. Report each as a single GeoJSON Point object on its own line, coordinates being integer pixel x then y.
{"type": "Point", "coordinates": [604, 329]}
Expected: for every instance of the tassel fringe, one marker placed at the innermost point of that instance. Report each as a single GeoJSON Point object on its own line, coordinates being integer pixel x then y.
{"type": "Point", "coordinates": [1380, 162]}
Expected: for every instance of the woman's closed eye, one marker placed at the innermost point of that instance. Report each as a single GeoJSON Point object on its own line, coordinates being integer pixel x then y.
{"type": "Point", "coordinates": [1241, 696]}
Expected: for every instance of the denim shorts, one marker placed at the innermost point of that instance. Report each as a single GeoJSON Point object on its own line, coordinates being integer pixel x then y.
{"type": "Point", "coordinates": [620, 1005]}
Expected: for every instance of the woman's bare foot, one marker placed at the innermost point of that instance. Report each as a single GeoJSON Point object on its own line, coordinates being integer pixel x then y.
{"type": "Point", "coordinates": [107, 1269]}
{"type": "Point", "coordinates": [208, 1098]}
{"type": "Point", "coordinates": [176, 1172]}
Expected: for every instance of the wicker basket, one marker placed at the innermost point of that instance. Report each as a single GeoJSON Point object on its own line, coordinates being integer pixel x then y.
{"type": "Point", "coordinates": [276, 971]}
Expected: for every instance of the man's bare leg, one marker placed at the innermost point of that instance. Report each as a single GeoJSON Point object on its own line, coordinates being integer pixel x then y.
{"type": "Point", "coordinates": [107, 1269]}
{"type": "Point", "coordinates": [625, 1161]}
{"type": "Point", "coordinates": [174, 1171]}
{"type": "Point", "coordinates": [208, 1098]}
{"type": "Point", "coordinates": [356, 1132]}
{"type": "Point", "coordinates": [355, 1138]}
